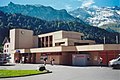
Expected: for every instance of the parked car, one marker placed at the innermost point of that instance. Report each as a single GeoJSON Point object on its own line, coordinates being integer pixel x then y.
{"type": "Point", "coordinates": [3, 61]}
{"type": "Point", "coordinates": [4, 58]}
{"type": "Point", "coordinates": [115, 63]}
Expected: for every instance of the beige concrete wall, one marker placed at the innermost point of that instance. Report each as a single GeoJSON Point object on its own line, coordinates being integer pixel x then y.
{"type": "Point", "coordinates": [47, 49]}
{"type": "Point", "coordinates": [94, 57]}
{"type": "Point", "coordinates": [72, 41]}
{"type": "Point", "coordinates": [58, 35]}
{"type": "Point", "coordinates": [71, 35]}
{"type": "Point", "coordinates": [112, 47]}
{"type": "Point", "coordinates": [12, 39]}
{"type": "Point", "coordinates": [64, 36]}
{"type": "Point", "coordinates": [46, 34]}
{"type": "Point", "coordinates": [20, 38]}
{"type": "Point", "coordinates": [35, 41]}
{"type": "Point", "coordinates": [38, 58]}
{"type": "Point", "coordinates": [65, 40]}
{"type": "Point", "coordinates": [99, 47]}
{"type": "Point", "coordinates": [25, 38]}
{"type": "Point", "coordinates": [85, 41]}
{"type": "Point", "coordinates": [90, 48]}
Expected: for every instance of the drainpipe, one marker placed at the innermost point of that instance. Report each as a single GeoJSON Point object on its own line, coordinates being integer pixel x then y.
{"type": "Point", "coordinates": [116, 39]}
{"type": "Point", "coordinates": [104, 39]}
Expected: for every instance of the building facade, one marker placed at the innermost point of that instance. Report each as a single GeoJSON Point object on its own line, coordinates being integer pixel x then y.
{"type": "Point", "coordinates": [65, 47]}
{"type": "Point", "coordinates": [6, 47]}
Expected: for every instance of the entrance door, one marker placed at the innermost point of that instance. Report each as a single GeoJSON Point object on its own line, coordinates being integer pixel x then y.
{"type": "Point", "coordinates": [33, 59]}
{"type": "Point", "coordinates": [24, 57]}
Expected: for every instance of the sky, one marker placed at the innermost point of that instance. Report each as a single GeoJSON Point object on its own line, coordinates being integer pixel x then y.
{"type": "Point", "coordinates": [65, 4]}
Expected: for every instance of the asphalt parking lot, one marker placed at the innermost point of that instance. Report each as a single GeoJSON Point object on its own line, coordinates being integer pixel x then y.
{"type": "Point", "coordinates": [60, 72]}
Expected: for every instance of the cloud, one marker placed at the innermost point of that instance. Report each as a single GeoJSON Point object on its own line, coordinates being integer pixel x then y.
{"type": "Point", "coordinates": [86, 3]}
{"type": "Point", "coordinates": [80, 0]}
{"type": "Point", "coordinates": [94, 6]}
{"type": "Point", "coordinates": [68, 7]}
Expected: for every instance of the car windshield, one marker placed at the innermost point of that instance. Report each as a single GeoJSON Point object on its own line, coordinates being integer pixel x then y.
{"type": "Point", "coordinates": [118, 58]}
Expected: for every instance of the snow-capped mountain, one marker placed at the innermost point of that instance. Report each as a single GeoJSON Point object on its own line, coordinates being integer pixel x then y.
{"type": "Point", "coordinates": [105, 17]}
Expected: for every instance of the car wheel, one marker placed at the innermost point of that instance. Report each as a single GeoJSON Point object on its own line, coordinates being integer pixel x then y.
{"type": "Point", "coordinates": [117, 66]}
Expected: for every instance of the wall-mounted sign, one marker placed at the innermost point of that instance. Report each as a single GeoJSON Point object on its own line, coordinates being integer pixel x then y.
{"type": "Point", "coordinates": [18, 51]}
{"type": "Point", "coordinates": [22, 32]}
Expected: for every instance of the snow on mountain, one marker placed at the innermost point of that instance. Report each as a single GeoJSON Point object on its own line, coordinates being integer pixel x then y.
{"type": "Point", "coordinates": [80, 13]}
{"type": "Point", "coordinates": [104, 16]}
{"type": "Point", "coordinates": [118, 12]}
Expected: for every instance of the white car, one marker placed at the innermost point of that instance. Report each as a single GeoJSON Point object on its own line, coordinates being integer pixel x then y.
{"type": "Point", "coordinates": [115, 63]}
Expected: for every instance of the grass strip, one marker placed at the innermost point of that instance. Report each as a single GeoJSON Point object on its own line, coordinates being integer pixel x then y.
{"type": "Point", "coordinates": [18, 73]}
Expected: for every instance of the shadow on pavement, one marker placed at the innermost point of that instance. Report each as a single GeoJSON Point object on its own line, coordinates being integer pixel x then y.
{"type": "Point", "coordinates": [87, 65]}
{"type": "Point", "coordinates": [7, 64]}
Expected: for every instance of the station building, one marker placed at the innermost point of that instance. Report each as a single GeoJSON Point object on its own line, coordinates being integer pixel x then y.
{"type": "Point", "coordinates": [65, 47]}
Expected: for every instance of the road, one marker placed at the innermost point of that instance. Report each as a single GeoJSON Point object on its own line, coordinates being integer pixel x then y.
{"type": "Point", "coordinates": [60, 72]}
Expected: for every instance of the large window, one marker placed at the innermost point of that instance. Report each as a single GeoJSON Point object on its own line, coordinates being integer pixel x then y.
{"type": "Point", "coordinates": [76, 44]}
{"type": "Point", "coordinates": [50, 38]}
{"type": "Point", "coordinates": [50, 41]}
{"type": "Point", "coordinates": [59, 44]}
{"type": "Point", "coordinates": [42, 45]}
{"type": "Point", "coordinates": [82, 37]}
{"type": "Point", "coordinates": [46, 43]}
{"type": "Point", "coordinates": [7, 46]}
{"type": "Point", "coordinates": [39, 42]}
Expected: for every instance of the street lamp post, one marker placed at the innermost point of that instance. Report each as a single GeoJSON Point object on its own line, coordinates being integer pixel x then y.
{"type": "Point", "coordinates": [117, 40]}
{"type": "Point", "coordinates": [104, 39]}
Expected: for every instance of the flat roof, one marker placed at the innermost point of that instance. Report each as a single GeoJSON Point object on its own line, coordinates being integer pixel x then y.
{"type": "Point", "coordinates": [60, 31]}
{"type": "Point", "coordinates": [97, 47]}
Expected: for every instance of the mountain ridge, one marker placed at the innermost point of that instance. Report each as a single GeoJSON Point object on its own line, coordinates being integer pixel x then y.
{"type": "Point", "coordinates": [43, 12]}
{"type": "Point", "coordinates": [9, 21]}
{"type": "Point", "coordinates": [100, 17]}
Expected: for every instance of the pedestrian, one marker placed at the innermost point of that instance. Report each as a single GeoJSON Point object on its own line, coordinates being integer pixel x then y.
{"type": "Point", "coordinates": [52, 61]}
{"type": "Point", "coordinates": [88, 60]}
{"type": "Point", "coordinates": [23, 59]}
{"type": "Point", "coordinates": [45, 59]}
{"type": "Point", "coordinates": [16, 60]}
{"type": "Point", "coordinates": [101, 61]}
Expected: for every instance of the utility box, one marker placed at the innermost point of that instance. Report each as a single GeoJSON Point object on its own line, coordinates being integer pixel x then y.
{"type": "Point", "coordinates": [80, 59]}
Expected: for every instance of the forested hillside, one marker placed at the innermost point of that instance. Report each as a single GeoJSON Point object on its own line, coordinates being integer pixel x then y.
{"type": "Point", "coordinates": [10, 21]}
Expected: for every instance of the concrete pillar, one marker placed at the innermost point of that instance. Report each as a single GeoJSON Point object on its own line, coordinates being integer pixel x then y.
{"type": "Point", "coordinates": [44, 41]}
{"type": "Point", "coordinates": [29, 58]}
{"type": "Point", "coordinates": [41, 42]}
{"type": "Point", "coordinates": [32, 58]}
{"type": "Point", "coordinates": [48, 41]}
{"type": "Point", "coordinates": [12, 58]}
